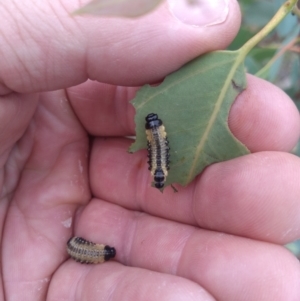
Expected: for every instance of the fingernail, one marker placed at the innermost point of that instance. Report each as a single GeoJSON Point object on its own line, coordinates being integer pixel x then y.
{"type": "Point", "coordinates": [200, 12]}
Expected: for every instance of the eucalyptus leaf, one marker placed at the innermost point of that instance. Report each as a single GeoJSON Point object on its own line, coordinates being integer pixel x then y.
{"type": "Point", "coordinates": [194, 104]}
{"type": "Point", "coordinates": [119, 8]}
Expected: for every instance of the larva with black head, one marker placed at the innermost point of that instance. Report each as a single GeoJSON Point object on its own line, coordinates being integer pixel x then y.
{"type": "Point", "coordinates": [84, 251]}
{"type": "Point", "coordinates": [158, 149]}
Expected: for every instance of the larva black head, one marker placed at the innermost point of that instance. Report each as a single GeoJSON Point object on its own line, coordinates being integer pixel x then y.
{"type": "Point", "coordinates": [152, 121]}
{"type": "Point", "coordinates": [159, 178]}
{"type": "Point", "coordinates": [109, 253]}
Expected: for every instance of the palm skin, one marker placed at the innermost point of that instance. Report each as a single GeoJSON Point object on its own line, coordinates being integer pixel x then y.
{"type": "Point", "coordinates": [66, 171]}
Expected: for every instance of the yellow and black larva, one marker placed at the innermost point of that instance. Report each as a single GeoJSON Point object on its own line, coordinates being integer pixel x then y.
{"type": "Point", "coordinates": [158, 149]}
{"type": "Point", "coordinates": [84, 251]}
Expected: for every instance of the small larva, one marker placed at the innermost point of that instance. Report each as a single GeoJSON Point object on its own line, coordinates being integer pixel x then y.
{"type": "Point", "coordinates": [84, 251]}
{"type": "Point", "coordinates": [158, 149]}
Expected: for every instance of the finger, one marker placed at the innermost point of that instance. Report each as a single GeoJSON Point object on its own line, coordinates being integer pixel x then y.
{"type": "Point", "coordinates": [264, 118]}
{"type": "Point", "coordinates": [114, 282]}
{"type": "Point", "coordinates": [247, 196]}
{"type": "Point", "coordinates": [52, 49]}
{"type": "Point", "coordinates": [52, 185]}
{"type": "Point", "coordinates": [104, 109]}
{"type": "Point", "coordinates": [228, 267]}
{"type": "Point", "coordinates": [255, 196]}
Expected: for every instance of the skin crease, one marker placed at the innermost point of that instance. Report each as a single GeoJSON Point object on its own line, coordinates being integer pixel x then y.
{"type": "Point", "coordinates": [220, 238]}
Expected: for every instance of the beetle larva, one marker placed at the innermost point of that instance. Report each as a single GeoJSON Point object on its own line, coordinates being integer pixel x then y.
{"type": "Point", "coordinates": [84, 251]}
{"type": "Point", "coordinates": [158, 149]}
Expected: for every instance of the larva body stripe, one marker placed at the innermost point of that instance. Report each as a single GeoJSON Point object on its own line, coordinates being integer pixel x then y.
{"type": "Point", "coordinates": [84, 251]}
{"type": "Point", "coordinates": [158, 149]}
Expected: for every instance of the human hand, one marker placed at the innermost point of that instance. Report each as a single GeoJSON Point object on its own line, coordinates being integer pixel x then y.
{"type": "Point", "coordinates": [217, 239]}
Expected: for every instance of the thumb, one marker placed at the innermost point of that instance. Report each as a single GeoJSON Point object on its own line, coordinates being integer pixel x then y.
{"type": "Point", "coordinates": [52, 49]}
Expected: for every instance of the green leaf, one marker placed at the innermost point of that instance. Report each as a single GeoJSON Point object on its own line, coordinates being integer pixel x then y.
{"type": "Point", "coordinates": [193, 104]}
{"type": "Point", "coordinates": [118, 8]}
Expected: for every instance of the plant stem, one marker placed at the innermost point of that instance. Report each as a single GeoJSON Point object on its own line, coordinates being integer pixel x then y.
{"type": "Point", "coordinates": [278, 17]}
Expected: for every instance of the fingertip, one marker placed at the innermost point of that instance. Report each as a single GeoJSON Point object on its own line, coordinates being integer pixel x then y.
{"type": "Point", "coordinates": [263, 117]}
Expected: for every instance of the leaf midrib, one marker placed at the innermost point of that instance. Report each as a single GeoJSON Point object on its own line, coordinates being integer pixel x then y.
{"type": "Point", "coordinates": [212, 119]}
